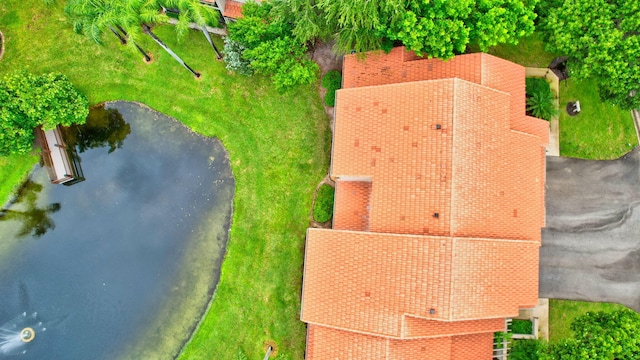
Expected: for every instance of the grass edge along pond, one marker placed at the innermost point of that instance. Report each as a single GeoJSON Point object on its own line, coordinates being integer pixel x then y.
{"type": "Point", "coordinates": [278, 146]}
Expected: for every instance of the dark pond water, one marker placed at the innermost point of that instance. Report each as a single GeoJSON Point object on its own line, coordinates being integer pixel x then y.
{"type": "Point", "coordinates": [121, 265]}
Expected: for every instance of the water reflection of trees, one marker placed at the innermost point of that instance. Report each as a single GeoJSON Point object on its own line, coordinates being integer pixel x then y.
{"type": "Point", "coordinates": [35, 220]}
{"type": "Point", "coordinates": [104, 127]}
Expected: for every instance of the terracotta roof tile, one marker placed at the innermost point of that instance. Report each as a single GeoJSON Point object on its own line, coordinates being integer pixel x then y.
{"type": "Point", "coordinates": [233, 9]}
{"type": "Point", "coordinates": [352, 205]}
{"type": "Point", "coordinates": [330, 344]}
{"type": "Point", "coordinates": [442, 174]}
{"type": "Point", "coordinates": [414, 327]}
{"type": "Point", "coordinates": [389, 133]}
{"type": "Point", "coordinates": [369, 281]}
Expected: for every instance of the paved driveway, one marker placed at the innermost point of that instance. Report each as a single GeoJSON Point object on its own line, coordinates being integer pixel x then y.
{"type": "Point", "coordinates": [591, 244]}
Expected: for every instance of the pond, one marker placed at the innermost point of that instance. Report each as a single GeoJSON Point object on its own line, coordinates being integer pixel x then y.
{"type": "Point", "coordinates": [123, 264]}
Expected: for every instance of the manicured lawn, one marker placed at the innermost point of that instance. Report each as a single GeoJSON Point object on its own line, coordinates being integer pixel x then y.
{"type": "Point", "coordinates": [599, 131]}
{"type": "Point", "coordinates": [563, 312]}
{"type": "Point", "coordinates": [278, 146]}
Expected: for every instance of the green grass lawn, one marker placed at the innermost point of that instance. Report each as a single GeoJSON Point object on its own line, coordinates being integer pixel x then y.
{"type": "Point", "coordinates": [278, 146]}
{"type": "Point", "coordinates": [599, 131]}
{"type": "Point", "coordinates": [563, 312]}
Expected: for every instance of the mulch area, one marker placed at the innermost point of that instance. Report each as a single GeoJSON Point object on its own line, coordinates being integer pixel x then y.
{"type": "Point", "coordinates": [326, 59]}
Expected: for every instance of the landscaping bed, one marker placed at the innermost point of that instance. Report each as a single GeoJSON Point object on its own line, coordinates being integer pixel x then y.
{"type": "Point", "coordinates": [524, 327]}
{"type": "Point", "coordinates": [323, 206]}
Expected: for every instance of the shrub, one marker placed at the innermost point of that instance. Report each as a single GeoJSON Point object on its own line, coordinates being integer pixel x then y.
{"type": "Point", "coordinates": [270, 48]}
{"type": "Point", "coordinates": [233, 57]}
{"type": "Point", "coordinates": [535, 85]}
{"type": "Point", "coordinates": [331, 81]}
{"type": "Point", "coordinates": [330, 98]}
{"type": "Point", "coordinates": [521, 326]}
{"type": "Point", "coordinates": [526, 350]}
{"type": "Point", "coordinates": [323, 209]}
{"type": "Point", "coordinates": [541, 105]}
{"type": "Point", "coordinates": [540, 102]}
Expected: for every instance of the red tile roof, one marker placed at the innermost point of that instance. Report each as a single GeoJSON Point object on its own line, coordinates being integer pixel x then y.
{"type": "Point", "coordinates": [232, 9]}
{"type": "Point", "coordinates": [328, 343]}
{"type": "Point", "coordinates": [388, 133]}
{"type": "Point", "coordinates": [351, 205]}
{"type": "Point", "coordinates": [373, 280]}
{"type": "Point", "coordinates": [439, 193]}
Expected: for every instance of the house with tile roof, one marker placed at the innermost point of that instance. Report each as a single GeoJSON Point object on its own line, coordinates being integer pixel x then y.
{"type": "Point", "coordinates": [439, 206]}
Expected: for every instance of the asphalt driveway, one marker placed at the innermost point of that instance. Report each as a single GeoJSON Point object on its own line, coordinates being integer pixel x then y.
{"type": "Point", "coordinates": [591, 244]}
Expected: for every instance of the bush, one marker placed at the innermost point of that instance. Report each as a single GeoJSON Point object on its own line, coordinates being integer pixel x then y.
{"type": "Point", "coordinates": [270, 48]}
{"type": "Point", "coordinates": [331, 81]}
{"type": "Point", "coordinates": [540, 102]}
{"type": "Point", "coordinates": [323, 209]}
{"type": "Point", "coordinates": [330, 98]}
{"type": "Point", "coordinates": [526, 350]}
{"type": "Point", "coordinates": [535, 85]}
{"type": "Point", "coordinates": [521, 327]}
{"type": "Point", "coordinates": [233, 57]}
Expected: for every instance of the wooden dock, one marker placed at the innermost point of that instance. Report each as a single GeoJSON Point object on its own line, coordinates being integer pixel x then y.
{"type": "Point", "coordinates": [62, 164]}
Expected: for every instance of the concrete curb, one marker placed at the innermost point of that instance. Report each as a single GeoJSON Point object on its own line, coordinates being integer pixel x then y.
{"type": "Point", "coordinates": [635, 114]}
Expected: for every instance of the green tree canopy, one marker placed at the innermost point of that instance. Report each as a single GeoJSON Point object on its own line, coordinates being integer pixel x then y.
{"type": "Point", "coordinates": [28, 100]}
{"type": "Point", "coordinates": [600, 335]}
{"type": "Point", "coordinates": [436, 28]}
{"type": "Point", "coordinates": [602, 40]}
{"type": "Point", "coordinates": [270, 48]}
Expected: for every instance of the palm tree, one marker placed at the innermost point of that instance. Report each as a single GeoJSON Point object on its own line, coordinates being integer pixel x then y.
{"type": "Point", "coordinates": [191, 11]}
{"type": "Point", "coordinates": [138, 15]}
{"type": "Point", "coordinates": [92, 17]}
{"type": "Point", "coordinates": [147, 30]}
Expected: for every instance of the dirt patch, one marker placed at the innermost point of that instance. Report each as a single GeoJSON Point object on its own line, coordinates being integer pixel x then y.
{"type": "Point", "coordinates": [274, 348]}
{"type": "Point", "coordinates": [327, 60]}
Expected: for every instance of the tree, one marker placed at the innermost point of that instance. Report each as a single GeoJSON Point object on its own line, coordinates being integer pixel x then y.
{"type": "Point", "coordinates": [436, 28]}
{"type": "Point", "coordinates": [601, 335]}
{"type": "Point", "coordinates": [28, 101]}
{"type": "Point", "coordinates": [131, 17]}
{"type": "Point", "coordinates": [92, 18]}
{"type": "Point", "coordinates": [270, 47]}
{"type": "Point", "coordinates": [357, 25]}
{"type": "Point", "coordinates": [602, 40]}
{"type": "Point", "coordinates": [192, 11]}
